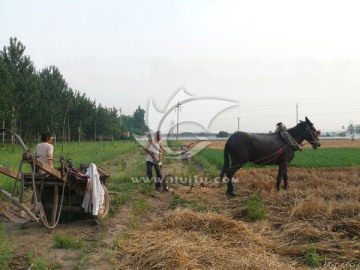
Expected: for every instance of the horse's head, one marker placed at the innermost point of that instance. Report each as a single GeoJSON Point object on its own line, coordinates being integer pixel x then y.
{"type": "Point", "coordinates": [311, 134]}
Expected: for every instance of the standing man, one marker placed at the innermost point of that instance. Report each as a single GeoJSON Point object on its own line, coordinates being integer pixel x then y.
{"type": "Point", "coordinates": [153, 158]}
{"type": "Point", "coordinates": [44, 150]}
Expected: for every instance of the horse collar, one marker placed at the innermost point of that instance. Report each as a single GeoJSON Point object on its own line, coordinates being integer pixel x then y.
{"type": "Point", "coordinates": [290, 140]}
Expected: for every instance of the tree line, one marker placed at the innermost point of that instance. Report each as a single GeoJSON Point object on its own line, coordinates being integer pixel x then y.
{"type": "Point", "coordinates": [352, 129]}
{"type": "Point", "coordinates": [33, 101]}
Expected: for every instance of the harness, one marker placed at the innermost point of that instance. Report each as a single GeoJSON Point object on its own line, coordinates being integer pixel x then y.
{"type": "Point", "coordinates": [288, 139]}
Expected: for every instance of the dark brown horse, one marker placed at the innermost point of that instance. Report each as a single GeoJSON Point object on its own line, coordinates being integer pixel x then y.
{"type": "Point", "coordinates": [267, 149]}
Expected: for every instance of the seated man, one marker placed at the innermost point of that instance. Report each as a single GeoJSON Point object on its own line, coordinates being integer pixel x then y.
{"type": "Point", "coordinates": [44, 150]}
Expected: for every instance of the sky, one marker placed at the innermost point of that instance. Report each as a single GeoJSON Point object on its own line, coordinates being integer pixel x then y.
{"type": "Point", "coordinates": [277, 61]}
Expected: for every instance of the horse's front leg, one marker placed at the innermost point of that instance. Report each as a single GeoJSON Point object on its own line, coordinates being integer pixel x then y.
{"type": "Point", "coordinates": [282, 174]}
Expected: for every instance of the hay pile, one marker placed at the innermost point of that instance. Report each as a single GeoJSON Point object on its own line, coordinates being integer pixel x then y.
{"type": "Point", "coordinates": [184, 239]}
{"type": "Point", "coordinates": [320, 210]}
{"type": "Point", "coordinates": [319, 213]}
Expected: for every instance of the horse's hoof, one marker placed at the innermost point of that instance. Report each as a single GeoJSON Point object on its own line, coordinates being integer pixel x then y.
{"type": "Point", "coordinates": [230, 194]}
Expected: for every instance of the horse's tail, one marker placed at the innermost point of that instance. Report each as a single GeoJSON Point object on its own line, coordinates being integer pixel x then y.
{"type": "Point", "coordinates": [226, 162]}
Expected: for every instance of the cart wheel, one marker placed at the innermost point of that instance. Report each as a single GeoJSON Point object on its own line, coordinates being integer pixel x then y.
{"type": "Point", "coordinates": [103, 212]}
{"type": "Point", "coordinates": [15, 215]}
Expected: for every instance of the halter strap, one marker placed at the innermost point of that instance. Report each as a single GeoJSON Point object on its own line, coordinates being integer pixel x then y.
{"type": "Point", "coordinates": [312, 135]}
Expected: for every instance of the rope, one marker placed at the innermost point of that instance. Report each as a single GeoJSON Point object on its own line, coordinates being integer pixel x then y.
{"type": "Point", "coordinates": [38, 204]}
{"type": "Point", "coordinates": [17, 179]}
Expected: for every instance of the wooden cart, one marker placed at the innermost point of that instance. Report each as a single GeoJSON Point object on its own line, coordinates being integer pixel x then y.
{"type": "Point", "coordinates": [42, 197]}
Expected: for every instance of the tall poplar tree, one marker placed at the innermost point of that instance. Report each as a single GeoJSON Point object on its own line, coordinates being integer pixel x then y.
{"type": "Point", "coordinates": [25, 95]}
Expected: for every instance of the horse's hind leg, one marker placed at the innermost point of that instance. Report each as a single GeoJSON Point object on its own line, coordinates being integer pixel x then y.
{"type": "Point", "coordinates": [230, 188]}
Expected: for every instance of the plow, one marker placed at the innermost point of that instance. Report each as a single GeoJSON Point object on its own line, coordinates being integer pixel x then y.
{"type": "Point", "coordinates": [42, 197]}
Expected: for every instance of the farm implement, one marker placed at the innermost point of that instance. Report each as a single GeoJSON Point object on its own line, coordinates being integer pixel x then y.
{"type": "Point", "coordinates": [42, 197]}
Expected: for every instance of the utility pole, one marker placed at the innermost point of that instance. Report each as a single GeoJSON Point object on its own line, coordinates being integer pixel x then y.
{"type": "Point", "coordinates": [120, 112]}
{"type": "Point", "coordinates": [171, 132]}
{"type": "Point", "coordinates": [238, 123]}
{"type": "Point", "coordinates": [177, 110]}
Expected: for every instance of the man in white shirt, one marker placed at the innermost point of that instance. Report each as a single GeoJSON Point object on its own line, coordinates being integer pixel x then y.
{"type": "Point", "coordinates": [153, 158]}
{"type": "Point", "coordinates": [44, 150]}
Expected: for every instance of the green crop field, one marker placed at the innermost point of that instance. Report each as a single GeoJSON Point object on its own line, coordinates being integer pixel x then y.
{"type": "Point", "coordinates": [98, 152]}
{"type": "Point", "coordinates": [308, 158]}
{"type": "Point", "coordinates": [87, 152]}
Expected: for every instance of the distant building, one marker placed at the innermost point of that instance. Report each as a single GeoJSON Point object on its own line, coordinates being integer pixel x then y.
{"type": "Point", "coordinates": [127, 134]}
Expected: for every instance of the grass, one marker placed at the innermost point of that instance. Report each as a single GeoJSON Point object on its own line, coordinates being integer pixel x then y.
{"type": "Point", "coordinates": [138, 208]}
{"type": "Point", "coordinates": [95, 152]}
{"type": "Point", "coordinates": [210, 157]}
{"type": "Point", "coordinates": [117, 243]}
{"type": "Point", "coordinates": [5, 249]}
{"type": "Point", "coordinates": [64, 241]}
{"type": "Point", "coordinates": [181, 203]}
{"type": "Point", "coordinates": [255, 207]}
{"type": "Point", "coordinates": [122, 183]}
{"type": "Point", "coordinates": [123, 188]}
{"type": "Point", "coordinates": [208, 162]}
{"type": "Point", "coordinates": [86, 153]}
{"type": "Point", "coordinates": [313, 259]}
{"type": "Point", "coordinates": [308, 158]}
{"type": "Point", "coordinates": [41, 263]}
{"type": "Point", "coordinates": [327, 157]}
{"type": "Point", "coordinates": [174, 143]}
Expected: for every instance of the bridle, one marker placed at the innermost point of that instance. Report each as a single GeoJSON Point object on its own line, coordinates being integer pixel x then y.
{"type": "Point", "coordinates": [313, 133]}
